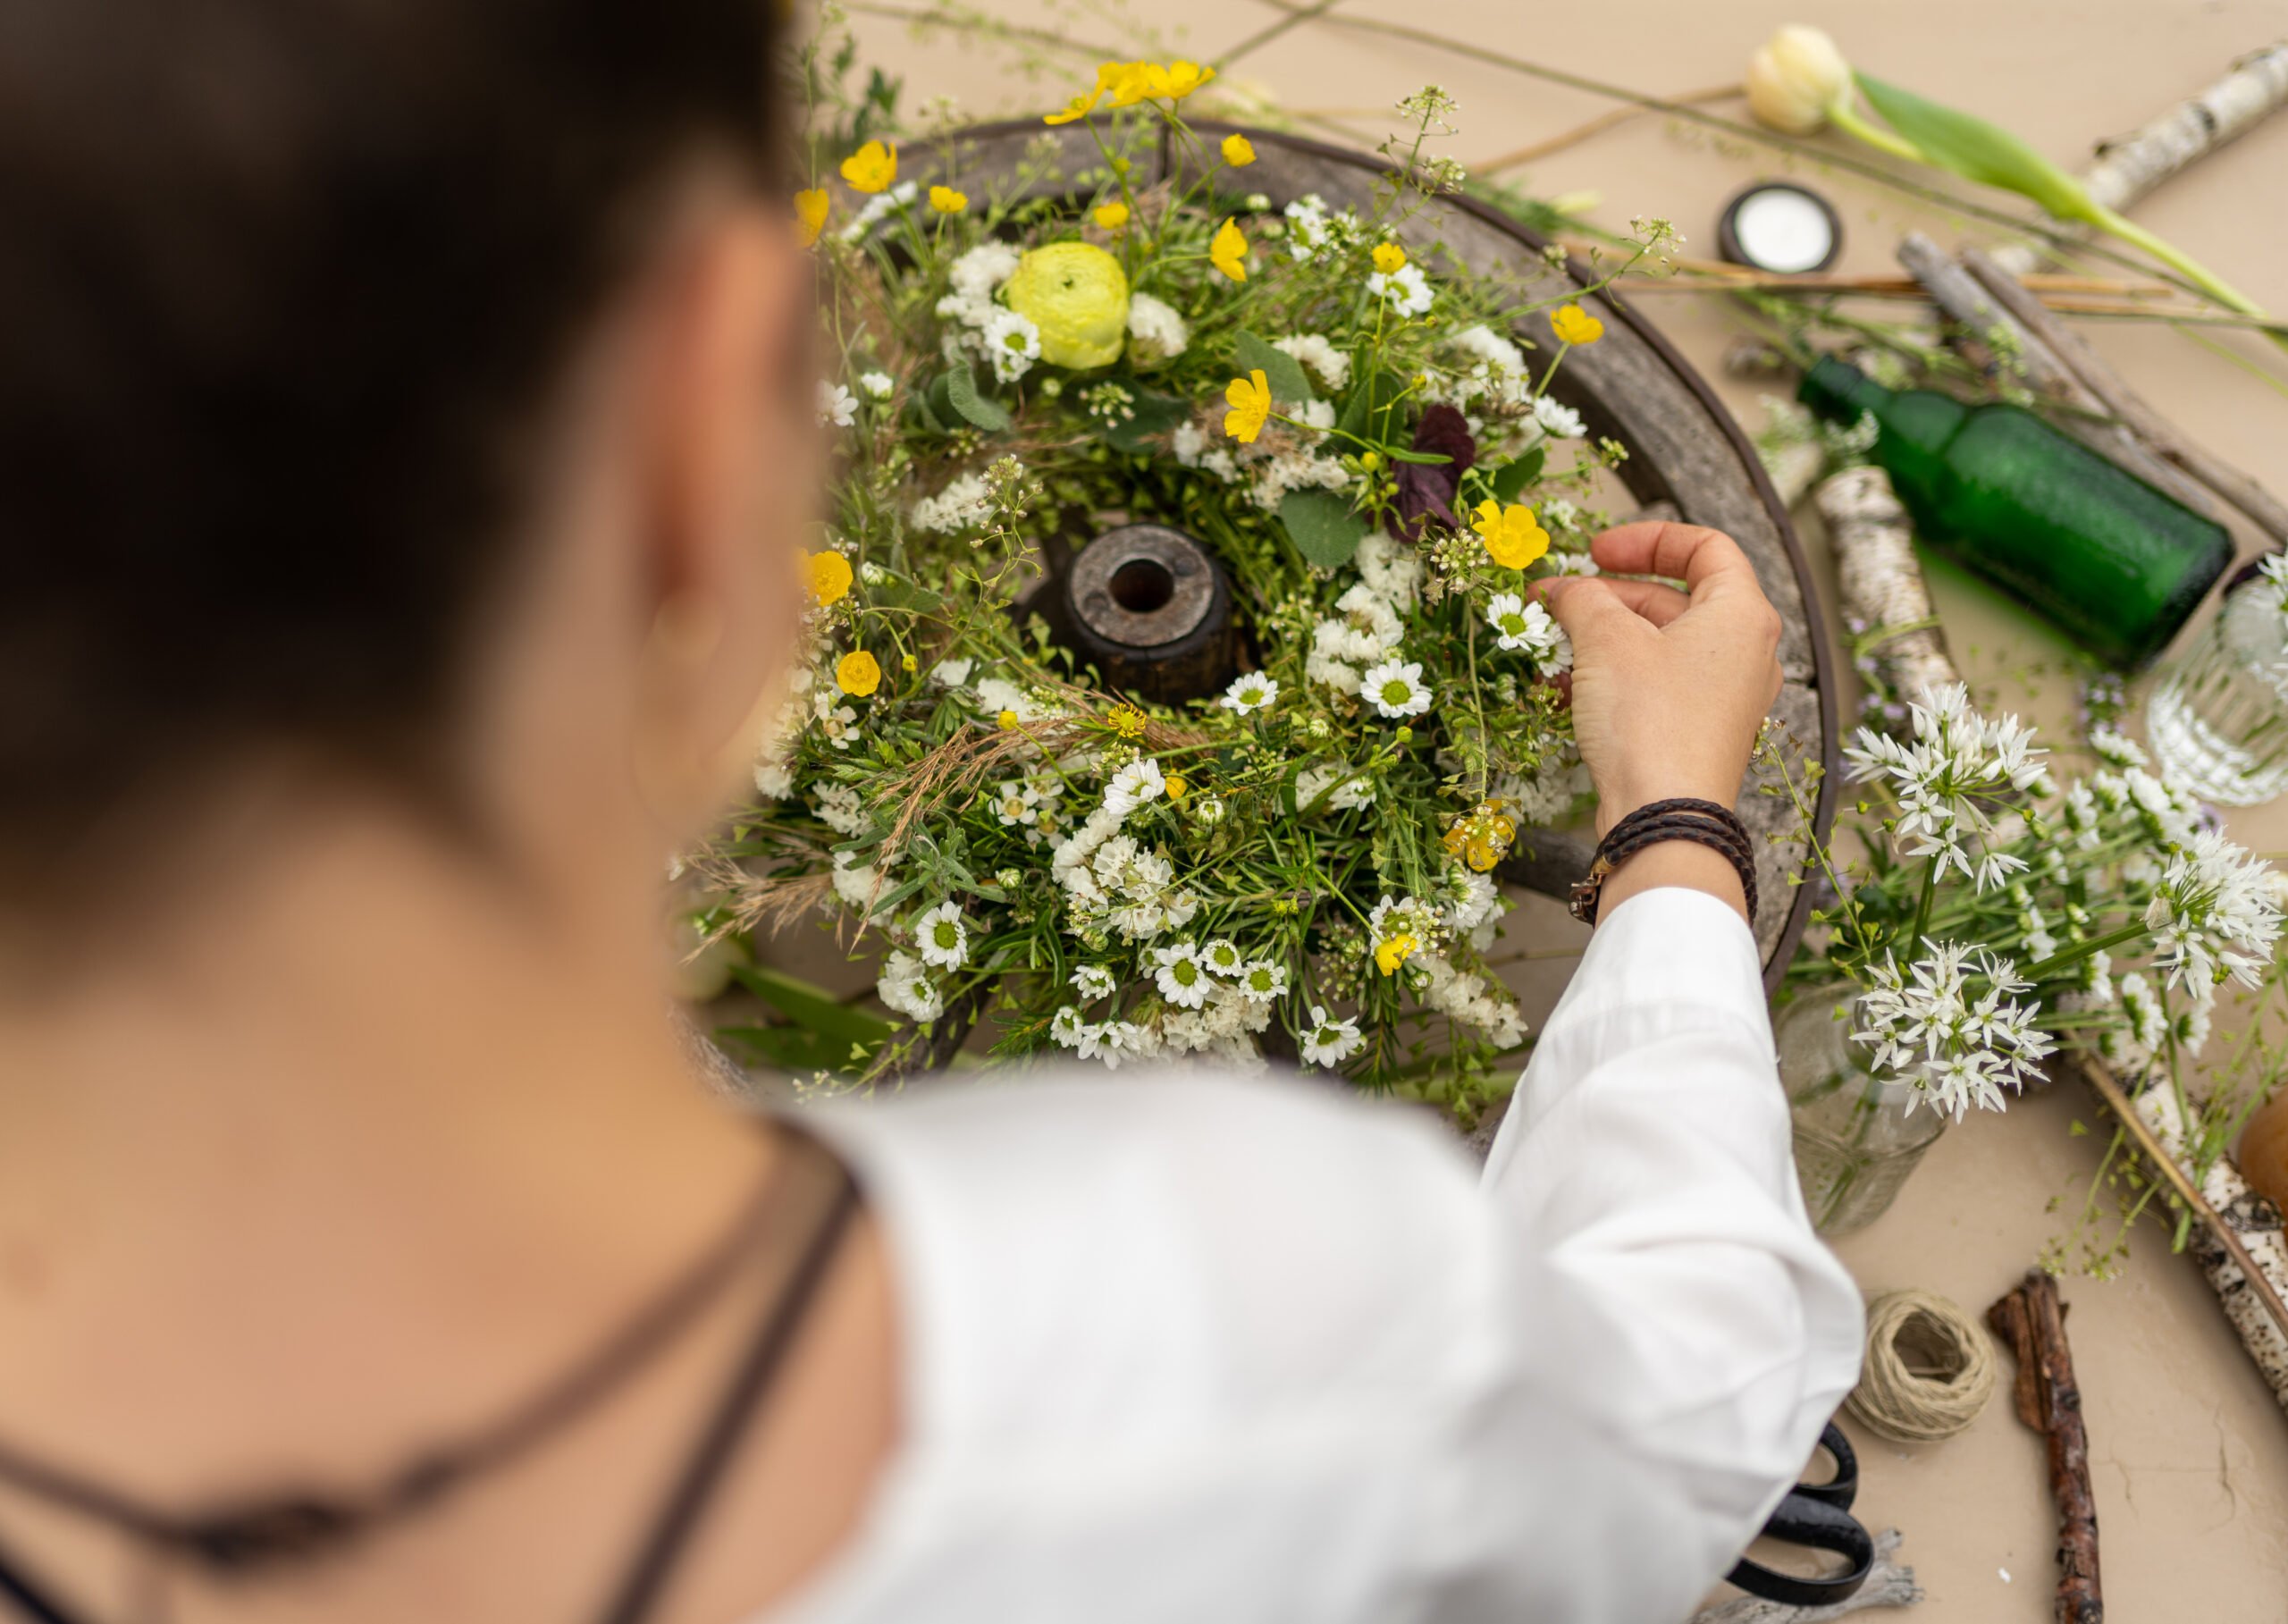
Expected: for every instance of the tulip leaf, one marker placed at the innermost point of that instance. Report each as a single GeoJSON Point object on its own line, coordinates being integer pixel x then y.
{"type": "Point", "coordinates": [1282, 372]}
{"type": "Point", "coordinates": [1513, 476]}
{"type": "Point", "coordinates": [811, 1008]}
{"type": "Point", "coordinates": [961, 394]}
{"type": "Point", "coordinates": [1322, 525]}
{"type": "Point", "coordinates": [1976, 150]}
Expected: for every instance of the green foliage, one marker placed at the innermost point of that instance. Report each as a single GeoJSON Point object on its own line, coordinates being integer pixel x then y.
{"type": "Point", "coordinates": [1977, 150]}
{"type": "Point", "coordinates": [1322, 526]}
{"type": "Point", "coordinates": [1279, 370]}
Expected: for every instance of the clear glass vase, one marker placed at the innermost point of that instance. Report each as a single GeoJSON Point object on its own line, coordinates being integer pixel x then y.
{"type": "Point", "coordinates": [2218, 718]}
{"type": "Point", "coordinates": [1857, 1138]}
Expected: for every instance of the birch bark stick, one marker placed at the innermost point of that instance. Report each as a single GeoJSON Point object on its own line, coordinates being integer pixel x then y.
{"type": "Point", "coordinates": [2032, 1321]}
{"type": "Point", "coordinates": [2125, 171]}
{"type": "Point", "coordinates": [1880, 579]}
{"type": "Point", "coordinates": [2264, 510]}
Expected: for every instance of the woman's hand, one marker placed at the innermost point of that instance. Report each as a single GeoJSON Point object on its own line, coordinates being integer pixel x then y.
{"type": "Point", "coordinates": [1669, 689]}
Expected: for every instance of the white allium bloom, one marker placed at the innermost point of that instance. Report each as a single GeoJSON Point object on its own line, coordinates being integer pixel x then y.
{"type": "Point", "coordinates": [1523, 628]}
{"type": "Point", "coordinates": [1356, 792]}
{"type": "Point", "coordinates": [1183, 976]}
{"type": "Point", "coordinates": [1093, 981]}
{"type": "Point", "coordinates": [1223, 957]}
{"type": "Point", "coordinates": [1396, 689]}
{"type": "Point", "coordinates": [1253, 692]}
{"type": "Point", "coordinates": [2149, 1023]}
{"type": "Point", "coordinates": [1263, 980]}
{"type": "Point", "coordinates": [1406, 289]}
{"type": "Point", "coordinates": [1320, 357]}
{"type": "Point", "coordinates": [2213, 915]}
{"type": "Point", "coordinates": [2116, 748]}
{"type": "Point", "coordinates": [951, 673]}
{"type": "Point", "coordinates": [1928, 1030]}
{"type": "Point", "coordinates": [1156, 331]}
{"type": "Point", "coordinates": [907, 988]}
{"type": "Point", "coordinates": [943, 936]}
{"type": "Point", "coordinates": [1558, 422]}
{"type": "Point", "coordinates": [965, 503]}
{"type": "Point", "coordinates": [880, 385]}
{"type": "Point", "coordinates": [1012, 343]}
{"type": "Point", "coordinates": [1132, 785]}
{"type": "Point", "coordinates": [839, 805]}
{"type": "Point", "coordinates": [838, 407]}
{"type": "Point", "coordinates": [1959, 766]}
{"type": "Point", "coordinates": [1329, 1042]}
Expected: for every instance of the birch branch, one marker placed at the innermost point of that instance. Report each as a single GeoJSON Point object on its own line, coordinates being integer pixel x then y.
{"type": "Point", "coordinates": [2032, 1321]}
{"type": "Point", "coordinates": [2125, 171]}
{"type": "Point", "coordinates": [1890, 1584]}
{"type": "Point", "coordinates": [2264, 510]}
{"type": "Point", "coordinates": [1880, 581]}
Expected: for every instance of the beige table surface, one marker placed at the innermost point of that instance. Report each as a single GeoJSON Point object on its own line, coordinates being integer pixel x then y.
{"type": "Point", "coordinates": [2191, 1452]}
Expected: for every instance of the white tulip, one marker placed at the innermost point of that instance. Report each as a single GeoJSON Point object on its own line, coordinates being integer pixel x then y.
{"type": "Point", "coordinates": [1795, 78]}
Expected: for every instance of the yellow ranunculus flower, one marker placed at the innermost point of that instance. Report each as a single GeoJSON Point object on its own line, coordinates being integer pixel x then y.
{"type": "Point", "coordinates": [1179, 79]}
{"type": "Point", "coordinates": [858, 674]}
{"type": "Point", "coordinates": [946, 200]}
{"type": "Point", "coordinates": [1389, 954]}
{"type": "Point", "coordinates": [1078, 108]}
{"type": "Point", "coordinates": [1575, 325]}
{"type": "Point", "coordinates": [829, 575]}
{"type": "Point", "coordinates": [1111, 216]}
{"type": "Point", "coordinates": [810, 213]}
{"type": "Point", "coordinates": [871, 168]}
{"type": "Point", "coordinates": [1238, 151]}
{"type": "Point", "coordinates": [1795, 78]}
{"type": "Point", "coordinates": [1077, 295]}
{"type": "Point", "coordinates": [1127, 83]}
{"type": "Point", "coordinates": [1513, 537]}
{"type": "Point", "coordinates": [1389, 258]}
{"type": "Point", "coordinates": [1251, 400]}
{"type": "Point", "coordinates": [1229, 252]}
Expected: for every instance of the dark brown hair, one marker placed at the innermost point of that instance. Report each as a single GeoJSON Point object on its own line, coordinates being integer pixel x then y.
{"type": "Point", "coordinates": [284, 287]}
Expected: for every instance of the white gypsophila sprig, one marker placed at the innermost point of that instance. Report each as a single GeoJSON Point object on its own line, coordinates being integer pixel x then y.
{"type": "Point", "coordinates": [2213, 915]}
{"type": "Point", "coordinates": [1928, 1029]}
{"type": "Point", "coordinates": [1950, 779]}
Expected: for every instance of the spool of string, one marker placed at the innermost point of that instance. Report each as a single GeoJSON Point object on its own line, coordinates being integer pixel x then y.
{"type": "Point", "coordinates": [1929, 1369]}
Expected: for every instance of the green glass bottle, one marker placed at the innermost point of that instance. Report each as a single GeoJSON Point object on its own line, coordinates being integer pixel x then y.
{"type": "Point", "coordinates": [2116, 564]}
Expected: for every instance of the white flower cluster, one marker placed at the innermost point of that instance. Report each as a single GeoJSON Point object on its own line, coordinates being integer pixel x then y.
{"type": "Point", "coordinates": [1312, 231]}
{"type": "Point", "coordinates": [2212, 916]}
{"type": "Point", "coordinates": [879, 206]}
{"type": "Point", "coordinates": [1355, 792]}
{"type": "Point", "coordinates": [1546, 795]}
{"type": "Point", "coordinates": [1031, 803]}
{"type": "Point", "coordinates": [1109, 877]}
{"type": "Point", "coordinates": [1214, 1003]}
{"type": "Point", "coordinates": [965, 503]}
{"type": "Point", "coordinates": [1928, 1030]}
{"type": "Point", "coordinates": [907, 988]}
{"type": "Point", "coordinates": [1329, 365]}
{"type": "Point", "coordinates": [1156, 329]}
{"type": "Point", "coordinates": [1957, 761]}
{"type": "Point", "coordinates": [860, 886]}
{"type": "Point", "coordinates": [839, 806]}
{"type": "Point", "coordinates": [1010, 341]}
{"type": "Point", "coordinates": [1467, 998]}
{"type": "Point", "coordinates": [1369, 633]}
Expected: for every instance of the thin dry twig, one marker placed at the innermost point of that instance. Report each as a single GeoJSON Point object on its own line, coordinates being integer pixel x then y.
{"type": "Point", "coordinates": [1595, 127]}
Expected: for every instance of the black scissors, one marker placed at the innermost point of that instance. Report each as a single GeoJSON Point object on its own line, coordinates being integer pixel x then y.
{"type": "Point", "coordinates": [1817, 1515]}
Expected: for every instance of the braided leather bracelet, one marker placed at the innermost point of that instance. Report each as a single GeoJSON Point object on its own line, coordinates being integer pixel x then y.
{"type": "Point", "coordinates": [1702, 822]}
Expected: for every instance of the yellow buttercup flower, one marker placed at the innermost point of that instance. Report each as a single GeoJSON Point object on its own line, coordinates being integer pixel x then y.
{"type": "Point", "coordinates": [1238, 151]}
{"type": "Point", "coordinates": [1251, 400]}
{"type": "Point", "coordinates": [871, 168]}
{"type": "Point", "coordinates": [1575, 325]}
{"type": "Point", "coordinates": [1176, 787]}
{"type": "Point", "coordinates": [1127, 721]}
{"type": "Point", "coordinates": [1229, 252]}
{"type": "Point", "coordinates": [946, 200]}
{"type": "Point", "coordinates": [1008, 720]}
{"type": "Point", "coordinates": [810, 213]}
{"type": "Point", "coordinates": [1127, 83]}
{"type": "Point", "coordinates": [1389, 954]}
{"type": "Point", "coordinates": [1513, 537]}
{"type": "Point", "coordinates": [829, 574]}
{"type": "Point", "coordinates": [858, 674]}
{"type": "Point", "coordinates": [1179, 79]}
{"type": "Point", "coordinates": [1078, 108]}
{"type": "Point", "coordinates": [1077, 295]}
{"type": "Point", "coordinates": [1111, 216]}
{"type": "Point", "coordinates": [1389, 258]}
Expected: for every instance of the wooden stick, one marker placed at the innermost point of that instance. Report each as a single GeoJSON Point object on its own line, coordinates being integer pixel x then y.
{"type": "Point", "coordinates": [1593, 127]}
{"type": "Point", "coordinates": [2032, 1321]}
{"type": "Point", "coordinates": [2263, 509]}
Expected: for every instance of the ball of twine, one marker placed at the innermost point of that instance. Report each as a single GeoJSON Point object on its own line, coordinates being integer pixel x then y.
{"type": "Point", "coordinates": [1929, 1369]}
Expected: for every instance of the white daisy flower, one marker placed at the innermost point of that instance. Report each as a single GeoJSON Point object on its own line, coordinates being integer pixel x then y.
{"type": "Point", "coordinates": [1329, 1042]}
{"type": "Point", "coordinates": [838, 407]}
{"type": "Point", "coordinates": [1253, 692]}
{"type": "Point", "coordinates": [943, 936]}
{"type": "Point", "coordinates": [1264, 980]}
{"type": "Point", "coordinates": [1093, 981]}
{"type": "Point", "coordinates": [1066, 1026]}
{"type": "Point", "coordinates": [1223, 957]}
{"type": "Point", "coordinates": [1523, 628]}
{"type": "Point", "coordinates": [1013, 344]}
{"type": "Point", "coordinates": [1395, 689]}
{"type": "Point", "coordinates": [880, 385]}
{"type": "Point", "coordinates": [1183, 976]}
{"type": "Point", "coordinates": [907, 988]}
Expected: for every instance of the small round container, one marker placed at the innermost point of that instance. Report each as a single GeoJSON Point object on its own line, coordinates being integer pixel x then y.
{"type": "Point", "coordinates": [1778, 226]}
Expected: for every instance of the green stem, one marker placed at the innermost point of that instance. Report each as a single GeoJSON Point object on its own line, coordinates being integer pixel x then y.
{"type": "Point", "coordinates": [1845, 117]}
{"type": "Point", "coordinates": [2129, 231]}
{"type": "Point", "coordinates": [2045, 969]}
{"type": "Point", "coordinates": [1922, 908]}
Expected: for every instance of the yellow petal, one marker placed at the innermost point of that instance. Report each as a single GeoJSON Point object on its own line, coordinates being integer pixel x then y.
{"type": "Point", "coordinates": [810, 214]}
{"type": "Point", "coordinates": [1389, 257]}
{"type": "Point", "coordinates": [858, 674]}
{"type": "Point", "coordinates": [946, 200]}
{"type": "Point", "coordinates": [829, 574]}
{"type": "Point", "coordinates": [1238, 151]}
{"type": "Point", "coordinates": [1229, 252]}
{"type": "Point", "coordinates": [1575, 325]}
{"type": "Point", "coordinates": [1111, 216]}
{"type": "Point", "coordinates": [871, 168]}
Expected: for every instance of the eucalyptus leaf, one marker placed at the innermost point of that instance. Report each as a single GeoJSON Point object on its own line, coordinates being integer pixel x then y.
{"type": "Point", "coordinates": [1282, 372]}
{"type": "Point", "coordinates": [1976, 150]}
{"type": "Point", "coordinates": [962, 394]}
{"type": "Point", "coordinates": [1322, 525]}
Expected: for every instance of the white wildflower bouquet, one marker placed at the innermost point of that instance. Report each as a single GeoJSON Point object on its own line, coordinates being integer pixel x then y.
{"type": "Point", "coordinates": [1993, 916]}
{"type": "Point", "coordinates": [1298, 860]}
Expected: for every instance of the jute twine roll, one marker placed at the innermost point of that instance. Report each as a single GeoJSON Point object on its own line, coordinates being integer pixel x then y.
{"type": "Point", "coordinates": [1929, 1369]}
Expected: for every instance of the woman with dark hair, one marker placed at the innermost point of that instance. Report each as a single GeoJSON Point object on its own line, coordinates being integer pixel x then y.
{"type": "Point", "coordinates": [408, 440]}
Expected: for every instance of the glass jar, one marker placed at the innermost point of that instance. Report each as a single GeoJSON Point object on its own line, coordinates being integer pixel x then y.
{"type": "Point", "coordinates": [1857, 1138]}
{"type": "Point", "coordinates": [2218, 718]}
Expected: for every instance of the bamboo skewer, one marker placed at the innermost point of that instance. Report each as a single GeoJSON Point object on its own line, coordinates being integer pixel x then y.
{"type": "Point", "coordinates": [2032, 1321]}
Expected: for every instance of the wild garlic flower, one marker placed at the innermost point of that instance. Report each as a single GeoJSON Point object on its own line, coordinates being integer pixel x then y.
{"type": "Point", "coordinates": [1253, 692]}
{"type": "Point", "coordinates": [2213, 915]}
{"type": "Point", "coordinates": [1958, 767]}
{"type": "Point", "coordinates": [1929, 1029]}
{"type": "Point", "coordinates": [1396, 689]}
{"type": "Point", "coordinates": [1183, 976]}
{"type": "Point", "coordinates": [943, 936]}
{"type": "Point", "coordinates": [1328, 1042]}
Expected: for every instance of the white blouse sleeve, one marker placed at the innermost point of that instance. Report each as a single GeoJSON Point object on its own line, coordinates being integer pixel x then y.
{"type": "Point", "coordinates": [1182, 1348]}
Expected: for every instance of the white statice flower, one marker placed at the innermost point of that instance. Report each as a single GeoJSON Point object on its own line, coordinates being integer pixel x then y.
{"type": "Point", "coordinates": [2213, 915]}
{"type": "Point", "coordinates": [1328, 1042]}
{"type": "Point", "coordinates": [965, 503]}
{"type": "Point", "coordinates": [1012, 343]}
{"type": "Point", "coordinates": [1525, 629]}
{"type": "Point", "coordinates": [974, 278]}
{"type": "Point", "coordinates": [1927, 1029]}
{"type": "Point", "coordinates": [839, 805]}
{"type": "Point", "coordinates": [1156, 329]}
{"type": "Point", "coordinates": [1389, 569]}
{"type": "Point", "coordinates": [1223, 957]}
{"type": "Point", "coordinates": [943, 936]}
{"type": "Point", "coordinates": [951, 673]}
{"type": "Point", "coordinates": [907, 988]}
{"type": "Point", "coordinates": [1093, 981]}
{"type": "Point", "coordinates": [1469, 1000]}
{"type": "Point", "coordinates": [1263, 980]}
{"type": "Point", "coordinates": [1396, 689]}
{"type": "Point", "coordinates": [1253, 692]}
{"type": "Point", "coordinates": [1558, 422]}
{"type": "Point", "coordinates": [1319, 358]}
{"type": "Point", "coordinates": [1406, 289]}
{"type": "Point", "coordinates": [879, 207]}
{"type": "Point", "coordinates": [1183, 976]}
{"type": "Point", "coordinates": [1355, 789]}
{"type": "Point", "coordinates": [1132, 785]}
{"type": "Point", "coordinates": [1958, 767]}
{"type": "Point", "coordinates": [838, 407]}
{"type": "Point", "coordinates": [879, 386]}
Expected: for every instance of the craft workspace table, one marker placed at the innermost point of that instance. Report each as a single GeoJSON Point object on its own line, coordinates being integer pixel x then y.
{"type": "Point", "coordinates": [2189, 1449]}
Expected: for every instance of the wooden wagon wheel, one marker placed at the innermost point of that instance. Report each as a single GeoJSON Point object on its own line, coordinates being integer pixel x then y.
{"type": "Point", "coordinates": [1686, 458]}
